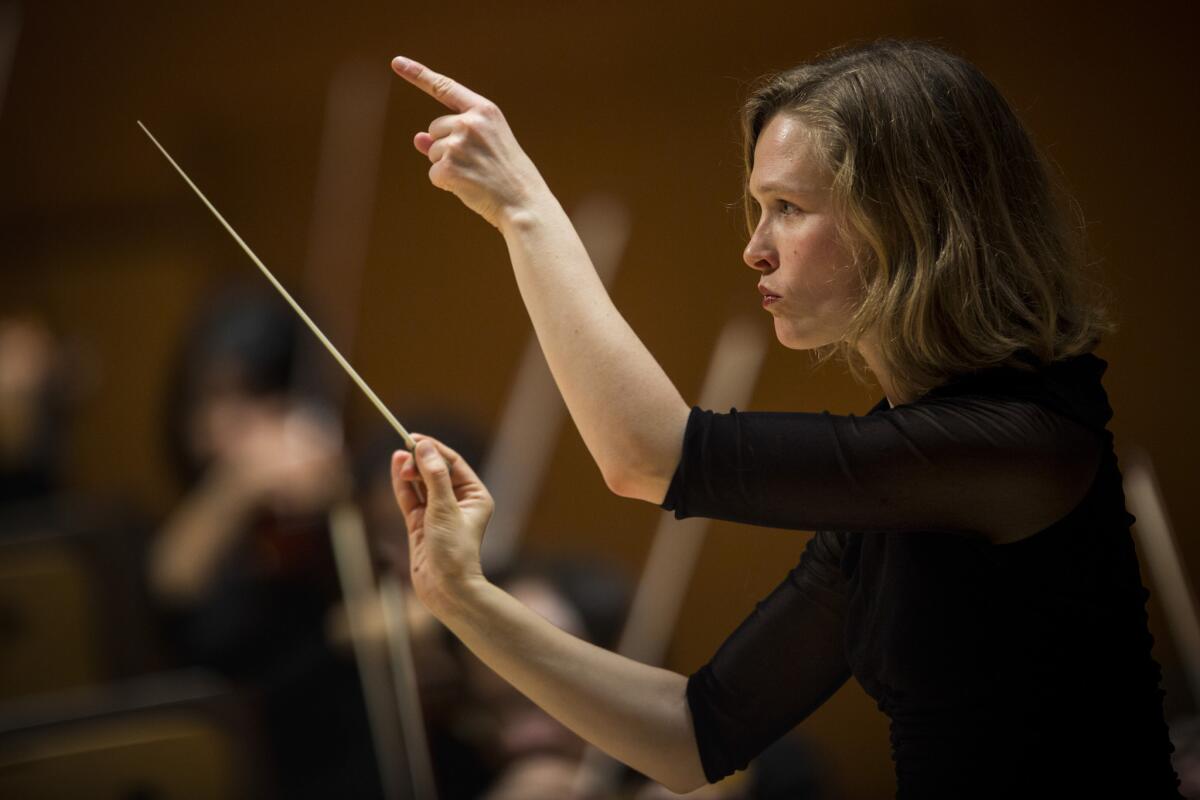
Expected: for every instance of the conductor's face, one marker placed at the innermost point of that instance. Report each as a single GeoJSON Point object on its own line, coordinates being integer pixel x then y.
{"type": "Point", "coordinates": [807, 279]}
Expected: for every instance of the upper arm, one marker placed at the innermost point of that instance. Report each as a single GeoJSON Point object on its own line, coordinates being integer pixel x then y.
{"type": "Point", "coordinates": [1004, 468]}
{"type": "Point", "coordinates": [780, 664]}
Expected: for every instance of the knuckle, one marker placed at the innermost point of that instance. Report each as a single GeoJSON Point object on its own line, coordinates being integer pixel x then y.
{"type": "Point", "coordinates": [437, 175]}
{"type": "Point", "coordinates": [442, 85]}
{"type": "Point", "coordinates": [470, 122]}
{"type": "Point", "coordinates": [481, 119]}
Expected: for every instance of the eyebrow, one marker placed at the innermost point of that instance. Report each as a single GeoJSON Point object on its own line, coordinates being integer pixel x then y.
{"type": "Point", "coordinates": [779, 187]}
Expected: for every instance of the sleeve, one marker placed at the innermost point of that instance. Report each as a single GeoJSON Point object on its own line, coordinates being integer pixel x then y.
{"type": "Point", "coordinates": [976, 464]}
{"type": "Point", "coordinates": [780, 664]}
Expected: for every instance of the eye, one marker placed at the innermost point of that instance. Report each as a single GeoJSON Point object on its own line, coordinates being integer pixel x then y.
{"type": "Point", "coordinates": [786, 208]}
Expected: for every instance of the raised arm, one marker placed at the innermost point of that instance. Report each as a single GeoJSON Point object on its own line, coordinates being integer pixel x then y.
{"type": "Point", "coordinates": [630, 415]}
{"type": "Point", "coordinates": [636, 713]}
{"type": "Point", "coordinates": [999, 467]}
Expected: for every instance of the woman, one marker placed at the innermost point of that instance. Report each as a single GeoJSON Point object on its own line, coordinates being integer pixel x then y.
{"type": "Point", "coordinates": [973, 567]}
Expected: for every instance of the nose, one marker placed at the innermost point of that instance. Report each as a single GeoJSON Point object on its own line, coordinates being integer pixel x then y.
{"type": "Point", "coordinates": [760, 254]}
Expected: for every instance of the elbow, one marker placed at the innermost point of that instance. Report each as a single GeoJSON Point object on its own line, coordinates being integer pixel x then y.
{"type": "Point", "coordinates": [687, 777]}
{"type": "Point", "coordinates": [688, 786]}
{"type": "Point", "coordinates": [637, 486]}
{"type": "Point", "coordinates": [686, 772]}
{"type": "Point", "coordinates": [641, 468]}
{"type": "Point", "coordinates": [618, 482]}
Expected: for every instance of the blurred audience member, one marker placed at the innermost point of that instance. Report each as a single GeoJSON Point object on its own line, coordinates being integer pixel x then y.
{"type": "Point", "coordinates": [69, 550]}
{"type": "Point", "coordinates": [534, 754]}
{"type": "Point", "coordinates": [537, 777]}
{"type": "Point", "coordinates": [243, 567]}
{"type": "Point", "coordinates": [31, 410]}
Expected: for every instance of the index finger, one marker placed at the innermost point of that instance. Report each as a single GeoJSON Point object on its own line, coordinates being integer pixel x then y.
{"type": "Point", "coordinates": [406, 492]}
{"type": "Point", "coordinates": [461, 473]}
{"type": "Point", "coordinates": [445, 90]}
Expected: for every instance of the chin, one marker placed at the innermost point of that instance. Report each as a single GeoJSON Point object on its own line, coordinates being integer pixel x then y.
{"type": "Point", "coordinates": [799, 340]}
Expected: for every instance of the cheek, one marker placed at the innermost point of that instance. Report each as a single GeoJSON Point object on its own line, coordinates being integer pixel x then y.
{"type": "Point", "coordinates": [827, 290]}
{"type": "Point", "coordinates": [836, 270]}
{"type": "Point", "coordinates": [819, 267]}
{"type": "Point", "coordinates": [849, 285]}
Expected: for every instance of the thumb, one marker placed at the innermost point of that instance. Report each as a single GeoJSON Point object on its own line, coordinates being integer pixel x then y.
{"type": "Point", "coordinates": [436, 474]}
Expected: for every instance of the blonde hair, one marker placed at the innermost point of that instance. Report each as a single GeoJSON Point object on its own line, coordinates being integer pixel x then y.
{"type": "Point", "coordinates": [958, 231]}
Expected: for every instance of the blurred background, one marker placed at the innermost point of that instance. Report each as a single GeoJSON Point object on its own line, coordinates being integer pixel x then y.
{"type": "Point", "coordinates": [174, 621]}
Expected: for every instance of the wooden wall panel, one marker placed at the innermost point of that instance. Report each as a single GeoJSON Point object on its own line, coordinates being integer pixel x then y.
{"type": "Point", "coordinates": [637, 100]}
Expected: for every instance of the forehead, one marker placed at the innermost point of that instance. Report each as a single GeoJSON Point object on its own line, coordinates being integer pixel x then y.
{"type": "Point", "coordinates": [786, 157]}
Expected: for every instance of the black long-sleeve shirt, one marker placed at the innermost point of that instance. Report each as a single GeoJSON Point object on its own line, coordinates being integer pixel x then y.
{"type": "Point", "coordinates": [1019, 669]}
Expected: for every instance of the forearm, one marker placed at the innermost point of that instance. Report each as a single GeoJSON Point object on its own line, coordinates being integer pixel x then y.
{"type": "Point", "coordinates": [630, 415]}
{"type": "Point", "coordinates": [192, 542]}
{"type": "Point", "coordinates": [636, 713]}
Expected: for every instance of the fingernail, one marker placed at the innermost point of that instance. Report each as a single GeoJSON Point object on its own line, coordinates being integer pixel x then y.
{"type": "Point", "coordinates": [400, 62]}
{"type": "Point", "coordinates": [427, 452]}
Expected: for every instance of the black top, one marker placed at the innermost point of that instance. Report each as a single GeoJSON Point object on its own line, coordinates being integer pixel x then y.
{"type": "Point", "coordinates": [1022, 669]}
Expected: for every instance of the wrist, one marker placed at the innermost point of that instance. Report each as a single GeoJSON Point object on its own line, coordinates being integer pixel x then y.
{"type": "Point", "coordinates": [521, 218]}
{"type": "Point", "coordinates": [460, 600]}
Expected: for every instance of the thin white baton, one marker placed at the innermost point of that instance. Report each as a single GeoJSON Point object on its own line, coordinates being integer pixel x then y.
{"type": "Point", "coordinates": [408, 440]}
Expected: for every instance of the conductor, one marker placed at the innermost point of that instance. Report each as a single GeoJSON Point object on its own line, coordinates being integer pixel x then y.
{"type": "Point", "coordinates": [973, 567]}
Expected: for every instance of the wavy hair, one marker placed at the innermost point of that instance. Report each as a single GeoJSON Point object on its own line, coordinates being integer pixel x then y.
{"type": "Point", "coordinates": [969, 251]}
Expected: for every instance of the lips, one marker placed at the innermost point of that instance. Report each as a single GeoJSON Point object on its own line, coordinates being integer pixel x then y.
{"type": "Point", "coordinates": [767, 293]}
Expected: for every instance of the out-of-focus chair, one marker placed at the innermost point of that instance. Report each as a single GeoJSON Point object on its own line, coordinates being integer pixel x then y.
{"type": "Point", "coordinates": [49, 618]}
{"type": "Point", "coordinates": [167, 737]}
{"type": "Point", "coordinates": [73, 610]}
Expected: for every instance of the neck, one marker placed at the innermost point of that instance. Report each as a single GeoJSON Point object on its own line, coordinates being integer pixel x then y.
{"type": "Point", "coordinates": [871, 354]}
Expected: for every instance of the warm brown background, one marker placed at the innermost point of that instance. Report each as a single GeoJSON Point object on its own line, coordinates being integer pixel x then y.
{"type": "Point", "coordinates": [638, 100]}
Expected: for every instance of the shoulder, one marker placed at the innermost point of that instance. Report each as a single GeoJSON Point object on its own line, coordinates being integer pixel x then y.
{"type": "Point", "coordinates": [1071, 387]}
{"type": "Point", "coordinates": [1040, 433]}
